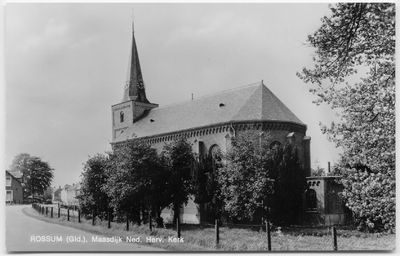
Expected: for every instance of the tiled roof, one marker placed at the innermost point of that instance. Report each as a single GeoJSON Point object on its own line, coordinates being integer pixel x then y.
{"type": "Point", "coordinates": [75, 186]}
{"type": "Point", "coordinates": [248, 103]}
{"type": "Point", "coordinates": [15, 173]}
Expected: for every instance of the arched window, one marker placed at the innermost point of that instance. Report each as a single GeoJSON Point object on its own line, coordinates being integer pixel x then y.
{"type": "Point", "coordinates": [121, 116]}
{"type": "Point", "coordinates": [311, 199]}
{"type": "Point", "coordinates": [215, 152]}
{"type": "Point", "coordinates": [275, 144]}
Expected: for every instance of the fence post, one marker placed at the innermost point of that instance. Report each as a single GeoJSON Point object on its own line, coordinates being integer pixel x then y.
{"type": "Point", "coordinates": [79, 215]}
{"type": "Point", "coordinates": [268, 228]}
{"type": "Point", "coordinates": [216, 233]}
{"type": "Point", "coordinates": [109, 218]}
{"type": "Point", "coordinates": [127, 222]}
{"type": "Point", "coordinates": [59, 211]}
{"type": "Point", "coordinates": [47, 210]}
{"type": "Point", "coordinates": [178, 227]}
{"type": "Point", "coordinates": [52, 212]}
{"type": "Point", "coordinates": [68, 214]}
{"type": "Point", "coordinates": [92, 217]}
{"type": "Point", "coordinates": [334, 238]}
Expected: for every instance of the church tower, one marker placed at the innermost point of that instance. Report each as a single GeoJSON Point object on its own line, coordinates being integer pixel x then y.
{"type": "Point", "coordinates": [134, 104]}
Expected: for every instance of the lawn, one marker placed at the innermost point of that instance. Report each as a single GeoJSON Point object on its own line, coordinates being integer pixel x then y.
{"type": "Point", "coordinates": [202, 238]}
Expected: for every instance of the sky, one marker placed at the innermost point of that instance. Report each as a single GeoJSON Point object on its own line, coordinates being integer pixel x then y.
{"type": "Point", "coordinates": [66, 65]}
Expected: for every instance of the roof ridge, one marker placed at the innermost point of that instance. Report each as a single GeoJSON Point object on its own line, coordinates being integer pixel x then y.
{"type": "Point", "coordinates": [210, 94]}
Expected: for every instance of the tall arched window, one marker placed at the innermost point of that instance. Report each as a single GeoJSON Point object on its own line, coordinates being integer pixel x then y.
{"type": "Point", "coordinates": [311, 199]}
{"type": "Point", "coordinates": [121, 116]}
{"type": "Point", "coordinates": [215, 152]}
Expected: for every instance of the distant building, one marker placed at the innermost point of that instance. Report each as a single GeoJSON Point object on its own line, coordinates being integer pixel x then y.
{"type": "Point", "coordinates": [57, 195]}
{"type": "Point", "coordinates": [64, 195]}
{"type": "Point", "coordinates": [72, 192]}
{"type": "Point", "coordinates": [14, 189]}
{"type": "Point", "coordinates": [322, 202]}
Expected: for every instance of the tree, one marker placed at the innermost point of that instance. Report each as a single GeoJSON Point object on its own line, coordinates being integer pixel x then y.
{"type": "Point", "coordinates": [129, 179]}
{"type": "Point", "coordinates": [289, 184]}
{"type": "Point", "coordinates": [360, 36]}
{"type": "Point", "coordinates": [159, 196]}
{"type": "Point", "coordinates": [318, 170]}
{"type": "Point", "coordinates": [179, 157]}
{"type": "Point", "coordinates": [48, 194]}
{"type": "Point", "coordinates": [94, 177]}
{"type": "Point", "coordinates": [205, 185]}
{"type": "Point", "coordinates": [244, 180]}
{"type": "Point", "coordinates": [36, 174]}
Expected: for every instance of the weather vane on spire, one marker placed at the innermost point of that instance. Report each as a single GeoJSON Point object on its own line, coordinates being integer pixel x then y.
{"type": "Point", "coordinates": [133, 17]}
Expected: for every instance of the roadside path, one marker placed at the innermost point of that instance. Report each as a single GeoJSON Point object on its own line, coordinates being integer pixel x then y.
{"type": "Point", "coordinates": [26, 234]}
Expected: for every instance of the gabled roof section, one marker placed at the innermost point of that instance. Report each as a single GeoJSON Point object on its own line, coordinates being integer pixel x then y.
{"type": "Point", "coordinates": [264, 105]}
{"type": "Point", "coordinates": [15, 173]}
{"type": "Point", "coordinates": [254, 102]}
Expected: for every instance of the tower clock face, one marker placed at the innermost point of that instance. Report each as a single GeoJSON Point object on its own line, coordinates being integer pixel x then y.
{"type": "Point", "coordinates": [140, 84]}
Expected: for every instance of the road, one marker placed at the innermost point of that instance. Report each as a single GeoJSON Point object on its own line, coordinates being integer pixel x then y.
{"type": "Point", "coordinates": [26, 234]}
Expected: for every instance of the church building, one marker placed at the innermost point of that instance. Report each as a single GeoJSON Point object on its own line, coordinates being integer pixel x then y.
{"type": "Point", "coordinates": [209, 122]}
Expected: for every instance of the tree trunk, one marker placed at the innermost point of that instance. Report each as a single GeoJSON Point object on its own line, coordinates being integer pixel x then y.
{"type": "Point", "coordinates": [33, 195]}
{"type": "Point", "coordinates": [137, 215]}
{"type": "Point", "coordinates": [143, 214]}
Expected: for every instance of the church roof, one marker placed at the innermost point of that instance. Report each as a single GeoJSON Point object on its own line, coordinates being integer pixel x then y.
{"type": "Point", "coordinates": [254, 102]}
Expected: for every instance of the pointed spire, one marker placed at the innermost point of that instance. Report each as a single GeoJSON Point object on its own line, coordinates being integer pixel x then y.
{"type": "Point", "coordinates": [134, 84]}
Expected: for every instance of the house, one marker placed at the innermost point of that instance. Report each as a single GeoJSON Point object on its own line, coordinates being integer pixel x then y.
{"type": "Point", "coordinates": [57, 195]}
{"type": "Point", "coordinates": [14, 188]}
{"type": "Point", "coordinates": [72, 192]}
{"type": "Point", "coordinates": [64, 195]}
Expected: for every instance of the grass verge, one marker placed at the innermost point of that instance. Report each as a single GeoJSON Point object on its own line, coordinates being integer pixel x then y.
{"type": "Point", "coordinates": [200, 238]}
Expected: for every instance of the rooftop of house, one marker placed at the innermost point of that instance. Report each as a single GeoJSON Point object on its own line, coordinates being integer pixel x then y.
{"type": "Point", "coordinates": [74, 186]}
{"type": "Point", "coordinates": [15, 173]}
{"type": "Point", "coordinates": [253, 102]}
